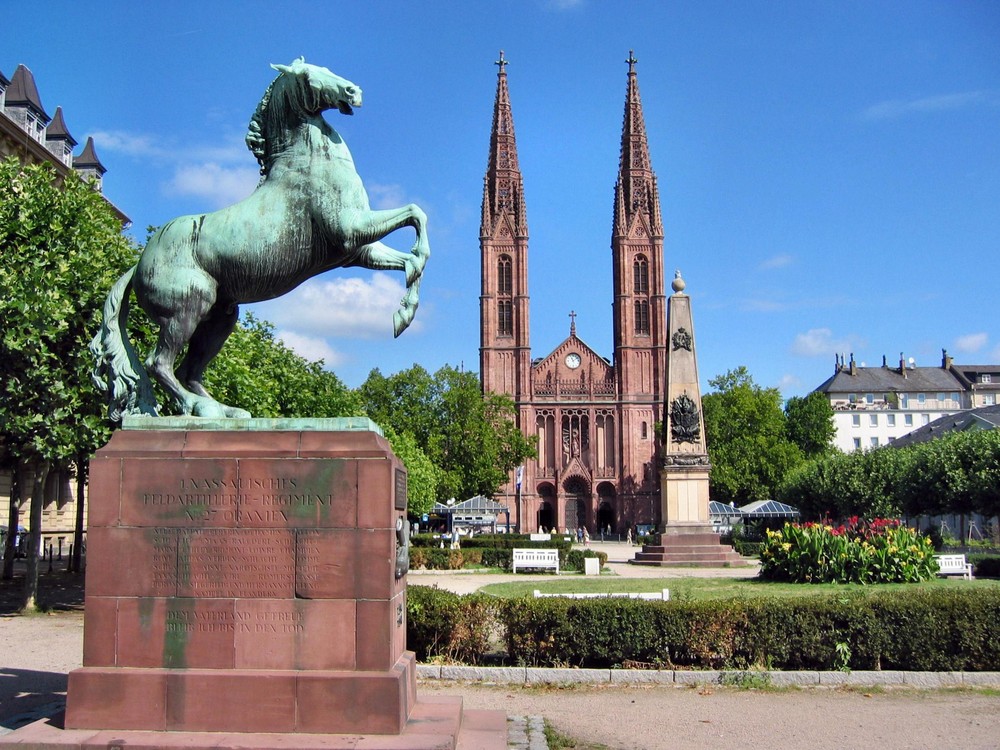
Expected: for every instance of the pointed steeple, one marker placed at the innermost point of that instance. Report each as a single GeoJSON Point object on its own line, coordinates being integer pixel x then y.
{"type": "Point", "coordinates": [504, 352]}
{"type": "Point", "coordinates": [636, 192]}
{"type": "Point", "coordinates": [503, 189]}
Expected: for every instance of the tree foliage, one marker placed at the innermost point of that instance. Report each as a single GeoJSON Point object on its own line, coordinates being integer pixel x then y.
{"type": "Point", "coordinates": [471, 438]}
{"type": "Point", "coordinates": [956, 473]}
{"type": "Point", "coordinates": [256, 371]}
{"type": "Point", "coordinates": [747, 439]}
{"type": "Point", "coordinates": [809, 423]}
{"type": "Point", "coordinates": [61, 248]}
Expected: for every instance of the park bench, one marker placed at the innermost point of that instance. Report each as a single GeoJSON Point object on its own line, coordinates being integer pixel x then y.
{"type": "Point", "coordinates": [954, 565]}
{"type": "Point", "coordinates": [535, 558]}
{"type": "Point", "coordinates": [651, 596]}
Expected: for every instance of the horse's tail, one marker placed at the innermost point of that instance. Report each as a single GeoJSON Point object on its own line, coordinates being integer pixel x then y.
{"type": "Point", "coordinates": [119, 372]}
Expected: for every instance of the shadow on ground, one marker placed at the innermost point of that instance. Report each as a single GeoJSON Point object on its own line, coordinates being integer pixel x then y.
{"type": "Point", "coordinates": [27, 695]}
{"type": "Point", "coordinates": [58, 591]}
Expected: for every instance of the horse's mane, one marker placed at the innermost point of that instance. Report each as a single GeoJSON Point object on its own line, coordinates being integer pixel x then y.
{"type": "Point", "coordinates": [270, 117]}
{"type": "Point", "coordinates": [256, 137]}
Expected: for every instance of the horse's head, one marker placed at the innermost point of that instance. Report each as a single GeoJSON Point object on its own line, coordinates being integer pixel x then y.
{"type": "Point", "coordinates": [314, 89]}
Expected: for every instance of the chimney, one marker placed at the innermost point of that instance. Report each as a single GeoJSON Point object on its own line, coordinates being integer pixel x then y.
{"type": "Point", "coordinates": [945, 360]}
{"type": "Point", "coordinates": [902, 365]}
{"type": "Point", "coordinates": [854, 367]}
{"type": "Point", "coordinates": [884, 364]}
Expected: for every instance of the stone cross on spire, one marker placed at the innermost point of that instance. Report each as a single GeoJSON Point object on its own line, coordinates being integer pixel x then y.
{"type": "Point", "coordinates": [501, 63]}
{"type": "Point", "coordinates": [572, 322]}
{"type": "Point", "coordinates": [631, 61]}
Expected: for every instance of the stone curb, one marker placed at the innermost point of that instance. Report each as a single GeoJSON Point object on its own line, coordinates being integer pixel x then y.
{"type": "Point", "coordinates": [540, 675]}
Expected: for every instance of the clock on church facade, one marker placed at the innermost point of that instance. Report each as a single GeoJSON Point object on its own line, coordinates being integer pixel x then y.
{"type": "Point", "coordinates": [593, 416]}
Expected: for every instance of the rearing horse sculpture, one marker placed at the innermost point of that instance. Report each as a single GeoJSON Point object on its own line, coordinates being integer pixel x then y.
{"type": "Point", "coordinates": [309, 213]}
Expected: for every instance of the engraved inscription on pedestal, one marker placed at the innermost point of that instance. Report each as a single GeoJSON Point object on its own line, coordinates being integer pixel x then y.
{"type": "Point", "coordinates": [253, 563]}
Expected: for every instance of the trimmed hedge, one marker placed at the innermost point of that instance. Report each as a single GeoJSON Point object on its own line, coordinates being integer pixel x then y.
{"type": "Point", "coordinates": [939, 630]}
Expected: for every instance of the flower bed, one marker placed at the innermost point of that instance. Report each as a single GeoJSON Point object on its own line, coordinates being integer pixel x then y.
{"type": "Point", "coordinates": [859, 551]}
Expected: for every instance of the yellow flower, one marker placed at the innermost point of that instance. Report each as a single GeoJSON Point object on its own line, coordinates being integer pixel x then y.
{"type": "Point", "coordinates": [786, 546]}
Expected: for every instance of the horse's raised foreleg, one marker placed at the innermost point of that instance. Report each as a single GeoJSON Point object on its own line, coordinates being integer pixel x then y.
{"type": "Point", "coordinates": [374, 254]}
{"type": "Point", "coordinates": [369, 228]}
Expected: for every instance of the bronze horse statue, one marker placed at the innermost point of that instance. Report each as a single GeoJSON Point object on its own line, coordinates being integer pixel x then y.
{"type": "Point", "coordinates": [309, 214]}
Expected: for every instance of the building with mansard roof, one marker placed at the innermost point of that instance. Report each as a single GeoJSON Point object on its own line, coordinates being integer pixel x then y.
{"type": "Point", "coordinates": [28, 132]}
{"type": "Point", "coordinates": [595, 417]}
{"type": "Point", "coordinates": [875, 406]}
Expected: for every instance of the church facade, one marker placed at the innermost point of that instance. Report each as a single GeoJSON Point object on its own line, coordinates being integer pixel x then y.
{"type": "Point", "coordinates": [597, 421]}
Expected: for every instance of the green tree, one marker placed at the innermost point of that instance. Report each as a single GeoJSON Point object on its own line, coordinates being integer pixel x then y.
{"type": "Point", "coordinates": [809, 423]}
{"type": "Point", "coordinates": [423, 476]}
{"type": "Point", "coordinates": [471, 438]}
{"type": "Point", "coordinates": [747, 439]}
{"type": "Point", "coordinates": [256, 371]}
{"type": "Point", "coordinates": [61, 248]}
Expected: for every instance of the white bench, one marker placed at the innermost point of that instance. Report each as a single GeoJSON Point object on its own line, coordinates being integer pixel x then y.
{"type": "Point", "coordinates": [535, 558]}
{"type": "Point", "coordinates": [652, 596]}
{"type": "Point", "coordinates": [954, 565]}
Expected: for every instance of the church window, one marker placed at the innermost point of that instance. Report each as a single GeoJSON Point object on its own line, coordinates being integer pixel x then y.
{"type": "Point", "coordinates": [640, 275]}
{"type": "Point", "coordinates": [505, 318]}
{"type": "Point", "coordinates": [505, 281]}
{"type": "Point", "coordinates": [645, 431]}
{"type": "Point", "coordinates": [642, 317]}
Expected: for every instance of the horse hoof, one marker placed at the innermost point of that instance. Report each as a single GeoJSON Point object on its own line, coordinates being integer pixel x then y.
{"type": "Point", "coordinates": [401, 320]}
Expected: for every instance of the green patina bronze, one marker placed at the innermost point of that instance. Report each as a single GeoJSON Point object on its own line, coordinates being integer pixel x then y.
{"type": "Point", "coordinates": [309, 214]}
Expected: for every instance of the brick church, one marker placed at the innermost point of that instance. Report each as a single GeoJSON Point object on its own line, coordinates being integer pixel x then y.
{"type": "Point", "coordinates": [596, 421]}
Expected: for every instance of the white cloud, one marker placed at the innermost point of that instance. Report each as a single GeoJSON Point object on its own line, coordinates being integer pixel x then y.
{"type": "Point", "coordinates": [340, 307]}
{"type": "Point", "coordinates": [817, 342]}
{"type": "Point", "coordinates": [311, 348]}
{"type": "Point", "coordinates": [221, 185]}
{"type": "Point", "coordinates": [894, 108]}
{"type": "Point", "coordinates": [385, 196]}
{"type": "Point", "coordinates": [131, 144]}
{"type": "Point", "coordinates": [789, 383]}
{"type": "Point", "coordinates": [971, 342]}
{"type": "Point", "coordinates": [777, 261]}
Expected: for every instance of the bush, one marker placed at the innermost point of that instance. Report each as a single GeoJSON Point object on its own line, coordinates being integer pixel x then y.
{"type": "Point", "coordinates": [985, 566]}
{"type": "Point", "coordinates": [446, 625]}
{"type": "Point", "coordinates": [879, 551]}
{"type": "Point", "coordinates": [574, 559]}
{"type": "Point", "coordinates": [946, 629]}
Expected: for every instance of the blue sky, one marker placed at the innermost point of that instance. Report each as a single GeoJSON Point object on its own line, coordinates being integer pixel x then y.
{"type": "Point", "coordinates": [829, 172]}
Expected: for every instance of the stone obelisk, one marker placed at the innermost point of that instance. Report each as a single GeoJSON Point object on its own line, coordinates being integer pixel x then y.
{"type": "Point", "coordinates": [686, 534]}
{"type": "Point", "coordinates": [685, 466]}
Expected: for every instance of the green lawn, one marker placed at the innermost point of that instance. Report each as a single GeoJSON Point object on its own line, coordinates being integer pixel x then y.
{"type": "Point", "coordinates": [687, 589]}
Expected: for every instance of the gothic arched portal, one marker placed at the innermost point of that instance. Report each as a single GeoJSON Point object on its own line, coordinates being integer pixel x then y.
{"type": "Point", "coordinates": [577, 499]}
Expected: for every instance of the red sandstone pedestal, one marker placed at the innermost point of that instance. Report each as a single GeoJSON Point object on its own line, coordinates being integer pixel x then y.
{"type": "Point", "coordinates": [242, 592]}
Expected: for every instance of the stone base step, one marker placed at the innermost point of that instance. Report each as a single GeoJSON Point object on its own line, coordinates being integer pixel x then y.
{"type": "Point", "coordinates": [435, 723]}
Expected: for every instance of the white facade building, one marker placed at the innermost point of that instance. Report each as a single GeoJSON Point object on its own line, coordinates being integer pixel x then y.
{"type": "Point", "coordinates": [875, 405]}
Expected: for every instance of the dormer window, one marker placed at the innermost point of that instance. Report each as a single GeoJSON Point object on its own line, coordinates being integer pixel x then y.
{"type": "Point", "coordinates": [986, 378]}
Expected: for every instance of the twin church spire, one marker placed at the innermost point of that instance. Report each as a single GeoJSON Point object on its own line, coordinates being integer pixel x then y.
{"type": "Point", "coordinates": [503, 189]}
{"type": "Point", "coordinates": [636, 244]}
